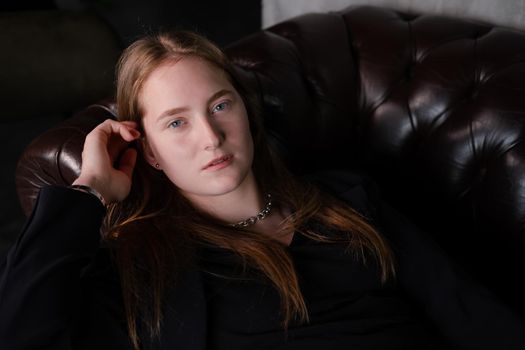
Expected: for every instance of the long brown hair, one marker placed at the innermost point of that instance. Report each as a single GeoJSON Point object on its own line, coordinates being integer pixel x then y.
{"type": "Point", "coordinates": [155, 231]}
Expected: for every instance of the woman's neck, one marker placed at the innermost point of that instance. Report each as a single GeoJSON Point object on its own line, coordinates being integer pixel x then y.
{"type": "Point", "coordinates": [243, 202]}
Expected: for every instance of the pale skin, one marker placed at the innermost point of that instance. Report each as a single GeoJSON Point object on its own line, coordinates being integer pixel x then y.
{"type": "Point", "coordinates": [192, 117]}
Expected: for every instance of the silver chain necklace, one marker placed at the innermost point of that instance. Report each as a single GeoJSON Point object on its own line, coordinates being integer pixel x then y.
{"type": "Point", "coordinates": [260, 216]}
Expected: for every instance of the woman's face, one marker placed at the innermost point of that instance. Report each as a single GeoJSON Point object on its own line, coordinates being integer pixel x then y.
{"type": "Point", "coordinates": [196, 128]}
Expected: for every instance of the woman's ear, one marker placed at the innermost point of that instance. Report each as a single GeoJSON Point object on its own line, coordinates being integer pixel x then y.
{"type": "Point", "coordinates": [148, 154]}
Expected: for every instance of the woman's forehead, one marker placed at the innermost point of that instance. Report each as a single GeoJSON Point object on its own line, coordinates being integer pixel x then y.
{"type": "Point", "coordinates": [186, 81]}
{"type": "Point", "coordinates": [185, 73]}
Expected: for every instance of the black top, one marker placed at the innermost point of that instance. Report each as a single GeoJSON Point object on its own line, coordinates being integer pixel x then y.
{"type": "Point", "coordinates": [59, 290]}
{"type": "Point", "coordinates": [349, 307]}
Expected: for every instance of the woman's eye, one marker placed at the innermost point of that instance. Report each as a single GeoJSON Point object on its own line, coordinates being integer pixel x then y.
{"type": "Point", "coordinates": [176, 123]}
{"type": "Point", "coordinates": [220, 107]}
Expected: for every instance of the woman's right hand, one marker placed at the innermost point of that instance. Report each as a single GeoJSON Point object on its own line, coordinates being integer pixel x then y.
{"type": "Point", "coordinates": [107, 159]}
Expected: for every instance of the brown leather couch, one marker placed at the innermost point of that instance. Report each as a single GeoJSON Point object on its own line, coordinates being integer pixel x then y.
{"type": "Point", "coordinates": [432, 108]}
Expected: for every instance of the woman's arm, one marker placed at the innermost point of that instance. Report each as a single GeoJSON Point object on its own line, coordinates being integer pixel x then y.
{"type": "Point", "coordinates": [41, 292]}
{"type": "Point", "coordinates": [40, 277]}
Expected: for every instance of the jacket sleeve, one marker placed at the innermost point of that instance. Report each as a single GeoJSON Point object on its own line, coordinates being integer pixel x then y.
{"type": "Point", "coordinates": [40, 276]}
{"type": "Point", "coordinates": [465, 312]}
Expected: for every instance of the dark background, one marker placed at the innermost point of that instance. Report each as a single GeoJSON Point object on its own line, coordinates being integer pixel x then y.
{"type": "Point", "coordinates": [223, 21]}
{"type": "Point", "coordinates": [58, 57]}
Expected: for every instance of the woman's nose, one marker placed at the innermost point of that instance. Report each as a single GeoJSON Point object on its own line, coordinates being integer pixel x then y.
{"type": "Point", "coordinates": [212, 133]}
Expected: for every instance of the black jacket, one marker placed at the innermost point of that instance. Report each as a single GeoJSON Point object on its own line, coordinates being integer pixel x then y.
{"type": "Point", "coordinates": [59, 289]}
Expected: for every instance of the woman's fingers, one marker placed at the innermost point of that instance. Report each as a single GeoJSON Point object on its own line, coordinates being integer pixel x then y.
{"type": "Point", "coordinates": [115, 146]}
{"type": "Point", "coordinates": [112, 137]}
{"type": "Point", "coordinates": [108, 160]}
{"type": "Point", "coordinates": [127, 130]}
{"type": "Point", "coordinates": [128, 133]}
{"type": "Point", "coordinates": [131, 123]}
{"type": "Point", "coordinates": [127, 161]}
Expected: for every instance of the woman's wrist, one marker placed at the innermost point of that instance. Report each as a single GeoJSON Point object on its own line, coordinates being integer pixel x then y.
{"type": "Point", "coordinates": [89, 184]}
{"type": "Point", "coordinates": [89, 190]}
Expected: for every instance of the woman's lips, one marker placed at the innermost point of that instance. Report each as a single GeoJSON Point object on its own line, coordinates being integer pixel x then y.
{"type": "Point", "coordinates": [219, 163]}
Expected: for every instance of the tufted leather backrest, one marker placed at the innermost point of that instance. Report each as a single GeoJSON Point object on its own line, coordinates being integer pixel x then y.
{"type": "Point", "coordinates": [431, 107]}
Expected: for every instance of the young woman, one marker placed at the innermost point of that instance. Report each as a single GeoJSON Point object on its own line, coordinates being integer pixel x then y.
{"type": "Point", "coordinates": [209, 243]}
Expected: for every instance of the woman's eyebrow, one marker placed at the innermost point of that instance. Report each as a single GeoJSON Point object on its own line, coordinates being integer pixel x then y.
{"type": "Point", "coordinates": [170, 112]}
{"type": "Point", "coordinates": [176, 110]}
{"type": "Point", "coordinates": [218, 94]}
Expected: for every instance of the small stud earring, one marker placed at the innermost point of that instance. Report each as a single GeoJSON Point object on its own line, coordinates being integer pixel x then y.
{"type": "Point", "coordinates": [157, 165]}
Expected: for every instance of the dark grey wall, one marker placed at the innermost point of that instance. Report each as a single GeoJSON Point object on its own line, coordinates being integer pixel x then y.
{"type": "Point", "coordinates": [223, 21]}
